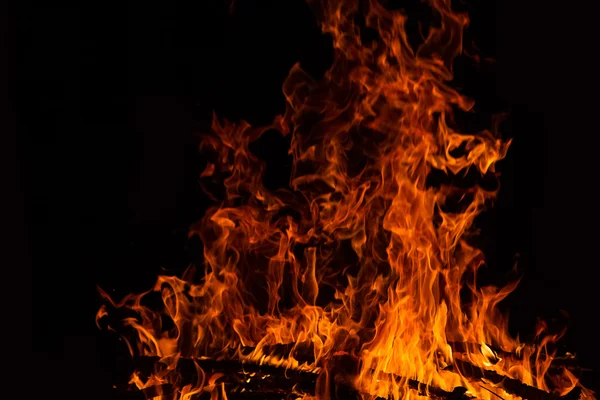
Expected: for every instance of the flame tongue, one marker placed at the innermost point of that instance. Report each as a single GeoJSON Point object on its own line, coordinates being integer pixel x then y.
{"type": "Point", "coordinates": [367, 262]}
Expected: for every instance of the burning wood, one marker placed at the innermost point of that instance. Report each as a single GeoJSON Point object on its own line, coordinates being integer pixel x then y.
{"type": "Point", "coordinates": [360, 279]}
{"type": "Point", "coordinates": [249, 379]}
{"type": "Point", "coordinates": [255, 378]}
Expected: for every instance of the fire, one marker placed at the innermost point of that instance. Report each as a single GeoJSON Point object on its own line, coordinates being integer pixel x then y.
{"type": "Point", "coordinates": [369, 265]}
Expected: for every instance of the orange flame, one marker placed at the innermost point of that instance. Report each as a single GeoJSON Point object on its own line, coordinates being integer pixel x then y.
{"type": "Point", "coordinates": [367, 263]}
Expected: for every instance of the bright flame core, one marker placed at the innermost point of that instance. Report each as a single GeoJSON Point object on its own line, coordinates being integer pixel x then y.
{"type": "Point", "coordinates": [371, 263]}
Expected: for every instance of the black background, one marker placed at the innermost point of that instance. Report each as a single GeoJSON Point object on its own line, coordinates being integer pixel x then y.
{"type": "Point", "coordinates": [110, 101]}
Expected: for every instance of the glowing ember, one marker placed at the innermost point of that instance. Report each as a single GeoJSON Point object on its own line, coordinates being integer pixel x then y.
{"type": "Point", "coordinates": [368, 265]}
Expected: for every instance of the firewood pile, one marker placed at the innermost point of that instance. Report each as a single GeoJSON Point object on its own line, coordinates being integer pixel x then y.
{"type": "Point", "coordinates": [252, 380]}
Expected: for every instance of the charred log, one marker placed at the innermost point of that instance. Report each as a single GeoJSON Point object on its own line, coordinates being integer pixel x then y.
{"type": "Point", "coordinates": [512, 386]}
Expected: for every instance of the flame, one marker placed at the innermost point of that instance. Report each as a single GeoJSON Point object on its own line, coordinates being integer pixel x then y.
{"type": "Point", "coordinates": [370, 263]}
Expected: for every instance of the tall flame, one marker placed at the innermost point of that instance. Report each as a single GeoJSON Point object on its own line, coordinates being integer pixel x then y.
{"type": "Point", "coordinates": [361, 256]}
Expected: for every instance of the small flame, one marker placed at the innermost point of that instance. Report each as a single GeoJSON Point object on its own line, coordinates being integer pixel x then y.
{"type": "Point", "coordinates": [491, 357]}
{"type": "Point", "coordinates": [369, 264]}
